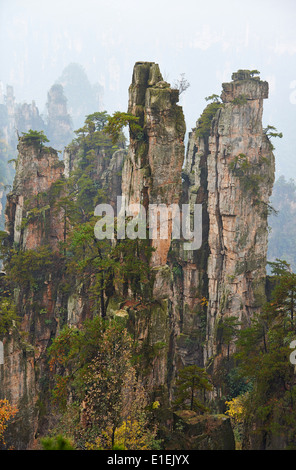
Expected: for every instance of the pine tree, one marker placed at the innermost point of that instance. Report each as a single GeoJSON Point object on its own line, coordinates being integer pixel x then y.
{"type": "Point", "coordinates": [191, 383]}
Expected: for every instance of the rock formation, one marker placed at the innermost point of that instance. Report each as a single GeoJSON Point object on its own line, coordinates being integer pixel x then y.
{"type": "Point", "coordinates": [27, 117]}
{"type": "Point", "coordinates": [18, 118]}
{"type": "Point", "coordinates": [228, 170]}
{"type": "Point", "coordinates": [59, 124]}
{"type": "Point", "coordinates": [37, 169]}
{"type": "Point", "coordinates": [236, 158]}
{"type": "Point", "coordinates": [152, 170]}
{"type": "Point", "coordinates": [202, 432]}
{"type": "Point", "coordinates": [35, 225]}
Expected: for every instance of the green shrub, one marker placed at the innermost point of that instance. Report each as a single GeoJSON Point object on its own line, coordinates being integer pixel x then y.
{"type": "Point", "coordinates": [34, 138]}
{"type": "Point", "coordinates": [205, 121]}
{"type": "Point", "coordinates": [8, 315]}
{"type": "Point", "coordinates": [56, 443]}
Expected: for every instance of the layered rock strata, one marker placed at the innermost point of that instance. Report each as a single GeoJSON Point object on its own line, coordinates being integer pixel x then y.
{"type": "Point", "coordinates": [152, 169]}
{"type": "Point", "coordinates": [32, 226]}
{"type": "Point", "coordinates": [236, 158]}
{"type": "Point", "coordinates": [37, 169]}
{"type": "Point", "coordinates": [152, 176]}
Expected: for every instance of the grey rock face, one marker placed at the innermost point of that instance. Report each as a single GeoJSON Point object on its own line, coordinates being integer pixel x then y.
{"type": "Point", "coordinates": [238, 162]}
{"type": "Point", "coordinates": [152, 170]}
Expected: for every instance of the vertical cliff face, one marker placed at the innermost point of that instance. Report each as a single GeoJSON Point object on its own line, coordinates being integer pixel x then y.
{"type": "Point", "coordinates": [59, 125]}
{"type": "Point", "coordinates": [229, 170]}
{"type": "Point", "coordinates": [27, 117]}
{"type": "Point", "coordinates": [107, 169]}
{"type": "Point", "coordinates": [17, 118]}
{"type": "Point", "coordinates": [152, 170]}
{"type": "Point", "coordinates": [30, 221]}
{"type": "Point", "coordinates": [152, 176]}
{"type": "Point", "coordinates": [236, 156]}
{"type": "Point", "coordinates": [35, 230]}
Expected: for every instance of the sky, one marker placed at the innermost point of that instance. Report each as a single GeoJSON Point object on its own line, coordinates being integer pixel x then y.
{"type": "Point", "coordinates": [206, 40]}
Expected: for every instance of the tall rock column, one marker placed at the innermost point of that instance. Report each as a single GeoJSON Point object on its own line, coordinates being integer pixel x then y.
{"type": "Point", "coordinates": [32, 226]}
{"type": "Point", "coordinates": [152, 174]}
{"type": "Point", "coordinates": [152, 170]}
{"type": "Point", "coordinates": [27, 214]}
{"type": "Point", "coordinates": [59, 125]}
{"type": "Point", "coordinates": [235, 156]}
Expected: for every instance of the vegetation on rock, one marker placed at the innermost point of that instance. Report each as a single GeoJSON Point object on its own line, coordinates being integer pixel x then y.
{"type": "Point", "coordinates": [120, 120]}
{"type": "Point", "coordinates": [96, 364]}
{"type": "Point", "coordinates": [204, 123]}
{"type": "Point", "coordinates": [37, 138]}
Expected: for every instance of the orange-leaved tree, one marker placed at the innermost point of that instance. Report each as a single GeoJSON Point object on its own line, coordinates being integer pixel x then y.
{"type": "Point", "coordinates": [7, 411]}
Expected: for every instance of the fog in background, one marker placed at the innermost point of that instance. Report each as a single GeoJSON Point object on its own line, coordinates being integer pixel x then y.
{"type": "Point", "coordinates": [205, 40]}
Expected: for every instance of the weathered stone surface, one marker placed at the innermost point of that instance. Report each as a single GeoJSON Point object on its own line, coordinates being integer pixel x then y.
{"type": "Point", "coordinates": [18, 385]}
{"type": "Point", "coordinates": [36, 171]}
{"type": "Point", "coordinates": [245, 84]}
{"type": "Point", "coordinates": [152, 170]}
{"type": "Point", "coordinates": [111, 178]}
{"type": "Point", "coordinates": [236, 201]}
{"type": "Point", "coordinates": [31, 223]}
{"type": "Point", "coordinates": [152, 175]}
{"type": "Point", "coordinates": [107, 170]}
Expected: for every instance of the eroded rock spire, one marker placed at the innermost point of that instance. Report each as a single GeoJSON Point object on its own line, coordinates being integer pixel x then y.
{"type": "Point", "coordinates": [235, 157]}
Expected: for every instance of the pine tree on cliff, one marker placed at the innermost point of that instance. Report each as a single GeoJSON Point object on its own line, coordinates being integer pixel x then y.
{"type": "Point", "coordinates": [191, 383]}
